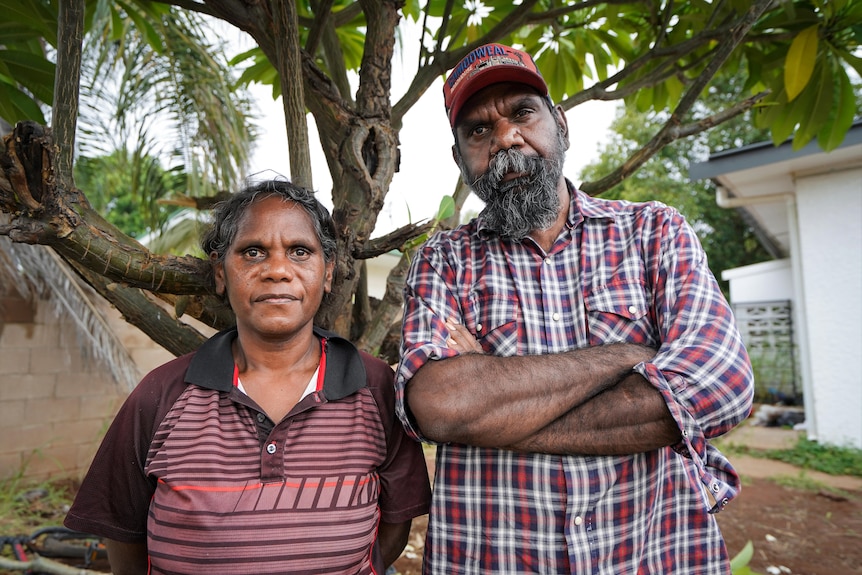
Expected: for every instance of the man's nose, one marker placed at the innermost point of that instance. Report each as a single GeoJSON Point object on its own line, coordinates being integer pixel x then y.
{"type": "Point", "coordinates": [507, 135]}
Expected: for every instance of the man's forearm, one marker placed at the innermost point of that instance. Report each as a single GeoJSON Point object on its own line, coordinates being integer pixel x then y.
{"type": "Point", "coordinates": [630, 417]}
{"type": "Point", "coordinates": [491, 401]}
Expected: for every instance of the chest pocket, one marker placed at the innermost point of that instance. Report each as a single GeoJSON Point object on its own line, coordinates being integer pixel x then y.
{"type": "Point", "coordinates": [493, 318]}
{"type": "Point", "coordinates": [619, 312]}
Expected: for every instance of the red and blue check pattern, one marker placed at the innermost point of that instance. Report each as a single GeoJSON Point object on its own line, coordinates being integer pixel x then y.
{"type": "Point", "coordinates": [619, 272]}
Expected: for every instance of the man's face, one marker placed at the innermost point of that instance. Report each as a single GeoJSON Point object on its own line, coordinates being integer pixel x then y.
{"type": "Point", "coordinates": [511, 148]}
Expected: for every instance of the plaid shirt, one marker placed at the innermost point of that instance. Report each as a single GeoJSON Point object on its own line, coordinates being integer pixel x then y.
{"type": "Point", "coordinates": [618, 272]}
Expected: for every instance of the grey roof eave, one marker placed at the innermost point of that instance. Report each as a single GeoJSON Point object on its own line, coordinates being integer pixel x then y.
{"type": "Point", "coordinates": [763, 153]}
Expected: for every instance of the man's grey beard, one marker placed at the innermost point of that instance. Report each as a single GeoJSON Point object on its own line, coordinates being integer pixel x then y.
{"type": "Point", "coordinates": [530, 202]}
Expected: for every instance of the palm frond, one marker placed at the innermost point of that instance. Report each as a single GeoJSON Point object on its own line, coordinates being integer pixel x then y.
{"type": "Point", "coordinates": [38, 272]}
{"type": "Point", "coordinates": [175, 99]}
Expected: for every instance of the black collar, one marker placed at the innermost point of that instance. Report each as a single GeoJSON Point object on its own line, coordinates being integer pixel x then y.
{"type": "Point", "coordinates": [212, 365]}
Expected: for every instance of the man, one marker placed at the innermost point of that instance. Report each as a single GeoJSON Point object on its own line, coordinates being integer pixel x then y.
{"type": "Point", "coordinates": [570, 356]}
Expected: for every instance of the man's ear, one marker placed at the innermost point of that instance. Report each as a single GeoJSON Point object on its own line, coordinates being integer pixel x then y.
{"type": "Point", "coordinates": [455, 155]}
{"type": "Point", "coordinates": [218, 274]}
{"type": "Point", "coordinates": [563, 122]}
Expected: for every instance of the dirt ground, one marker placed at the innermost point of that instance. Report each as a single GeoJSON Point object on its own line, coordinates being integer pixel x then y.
{"type": "Point", "coordinates": [795, 531]}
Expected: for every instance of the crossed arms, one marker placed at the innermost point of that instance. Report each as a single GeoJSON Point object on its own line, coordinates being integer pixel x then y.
{"type": "Point", "coordinates": [587, 401]}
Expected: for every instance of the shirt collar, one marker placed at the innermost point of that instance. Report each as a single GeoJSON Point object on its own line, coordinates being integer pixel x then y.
{"type": "Point", "coordinates": [212, 365]}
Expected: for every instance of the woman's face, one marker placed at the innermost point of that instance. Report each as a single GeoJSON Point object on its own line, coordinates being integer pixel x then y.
{"type": "Point", "coordinates": [274, 274]}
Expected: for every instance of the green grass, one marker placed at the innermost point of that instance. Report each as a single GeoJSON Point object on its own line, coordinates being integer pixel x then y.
{"type": "Point", "coordinates": [808, 455]}
{"type": "Point", "coordinates": [26, 505]}
{"type": "Point", "coordinates": [827, 459]}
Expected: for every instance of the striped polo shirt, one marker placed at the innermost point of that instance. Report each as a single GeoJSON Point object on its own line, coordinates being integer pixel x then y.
{"type": "Point", "coordinates": [195, 467]}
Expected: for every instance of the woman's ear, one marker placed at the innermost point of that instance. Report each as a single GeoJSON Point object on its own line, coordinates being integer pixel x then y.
{"type": "Point", "coordinates": [218, 274]}
{"type": "Point", "coordinates": [327, 276]}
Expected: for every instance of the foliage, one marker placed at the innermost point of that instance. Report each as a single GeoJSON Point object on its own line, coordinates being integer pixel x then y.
{"type": "Point", "coordinates": [335, 60]}
{"type": "Point", "coordinates": [728, 240]}
{"type": "Point", "coordinates": [739, 563]}
{"type": "Point", "coordinates": [26, 504]}
{"type": "Point", "coordinates": [809, 455]}
{"type": "Point", "coordinates": [824, 458]}
{"type": "Point", "coordinates": [807, 71]}
{"type": "Point", "coordinates": [152, 81]}
{"type": "Point", "coordinates": [775, 372]}
{"type": "Point", "coordinates": [126, 189]}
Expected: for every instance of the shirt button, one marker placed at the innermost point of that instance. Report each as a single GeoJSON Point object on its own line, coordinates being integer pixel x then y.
{"type": "Point", "coordinates": [478, 327]}
{"type": "Point", "coordinates": [548, 261]}
{"type": "Point", "coordinates": [579, 520]}
{"type": "Point", "coordinates": [260, 417]}
{"type": "Point", "coordinates": [556, 317]}
{"type": "Point", "coordinates": [716, 488]}
{"type": "Point", "coordinates": [632, 309]}
{"type": "Point", "coordinates": [270, 448]}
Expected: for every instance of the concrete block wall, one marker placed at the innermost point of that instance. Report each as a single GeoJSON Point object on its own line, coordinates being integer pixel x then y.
{"type": "Point", "coordinates": [56, 399]}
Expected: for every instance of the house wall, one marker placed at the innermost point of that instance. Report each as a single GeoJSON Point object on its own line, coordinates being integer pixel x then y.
{"type": "Point", "coordinates": [55, 401]}
{"type": "Point", "coordinates": [830, 230]}
{"type": "Point", "coordinates": [766, 281]}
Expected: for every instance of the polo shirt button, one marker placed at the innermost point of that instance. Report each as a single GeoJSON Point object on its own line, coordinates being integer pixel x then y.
{"type": "Point", "coordinates": [579, 520]}
{"type": "Point", "coordinates": [260, 417]}
{"type": "Point", "coordinates": [271, 448]}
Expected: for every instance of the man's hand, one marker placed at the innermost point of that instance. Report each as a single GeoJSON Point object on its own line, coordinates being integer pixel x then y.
{"type": "Point", "coordinates": [460, 339]}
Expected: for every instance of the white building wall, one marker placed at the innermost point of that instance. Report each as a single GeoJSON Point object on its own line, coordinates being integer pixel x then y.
{"type": "Point", "coordinates": [830, 231]}
{"type": "Point", "coordinates": [763, 282]}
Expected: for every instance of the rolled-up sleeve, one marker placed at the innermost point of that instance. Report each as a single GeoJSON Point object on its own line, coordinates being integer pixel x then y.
{"type": "Point", "coordinates": [702, 367]}
{"type": "Point", "coordinates": [428, 304]}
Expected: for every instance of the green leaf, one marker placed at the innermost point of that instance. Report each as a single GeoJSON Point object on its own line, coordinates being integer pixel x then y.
{"type": "Point", "coordinates": [854, 61]}
{"type": "Point", "coordinates": [820, 109]}
{"type": "Point", "coordinates": [742, 558]}
{"type": "Point", "coordinates": [790, 115]}
{"type": "Point", "coordinates": [799, 63]}
{"type": "Point", "coordinates": [832, 134]}
{"type": "Point", "coordinates": [447, 208]}
{"type": "Point", "coordinates": [144, 27]}
{"type": "Point", "coordinates": [15, 105]}
{"type": "Point", "coordinates": [31, 71]}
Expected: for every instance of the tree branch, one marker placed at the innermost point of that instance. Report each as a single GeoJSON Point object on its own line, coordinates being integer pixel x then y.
{"type": "Point", "coordinates": [67, 80]}
{"type": "Point", "coordinates": [671, 129]}
{"type": "Point", "coordinates": [393, 240]}
{"type": "Point", "coordinates": [44, 213]}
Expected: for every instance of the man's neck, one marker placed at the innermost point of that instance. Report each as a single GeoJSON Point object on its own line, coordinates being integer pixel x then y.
{"type": "Point", "coordinates": [545, 238]}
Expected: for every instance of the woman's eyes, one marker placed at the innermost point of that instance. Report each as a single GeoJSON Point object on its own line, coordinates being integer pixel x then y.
{"type": "Point", "coordinates": [299, 253]}
{"type": "Point", "coordinates": [253, 252]}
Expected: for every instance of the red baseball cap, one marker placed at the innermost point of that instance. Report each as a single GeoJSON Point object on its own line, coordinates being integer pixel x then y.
{"type": "Point", "coordinates": [486, 65]}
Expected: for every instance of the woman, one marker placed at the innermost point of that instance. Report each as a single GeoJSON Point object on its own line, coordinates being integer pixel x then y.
{"type": "Point", "coordinates": [274, 448]}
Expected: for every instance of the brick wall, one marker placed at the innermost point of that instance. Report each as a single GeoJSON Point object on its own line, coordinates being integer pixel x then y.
{"type": "Point", "coordinates": [56, 400]}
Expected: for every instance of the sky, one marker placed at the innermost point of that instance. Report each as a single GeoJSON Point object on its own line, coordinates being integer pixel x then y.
{"type": "Point", "coordinates": [427, 170]}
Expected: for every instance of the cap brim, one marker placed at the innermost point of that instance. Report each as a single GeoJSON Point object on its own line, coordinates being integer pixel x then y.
{"type": "Point", "coordinates": [494, 75]}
